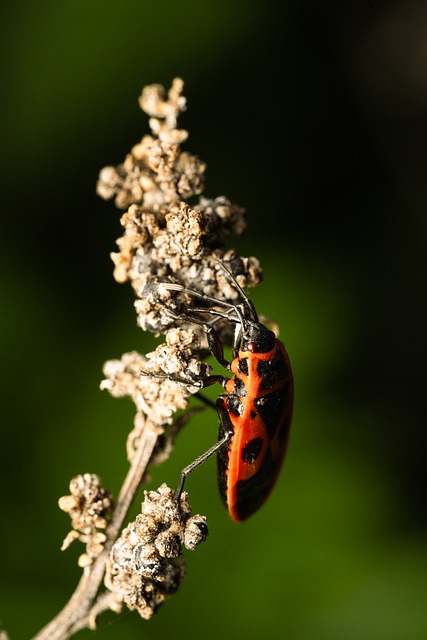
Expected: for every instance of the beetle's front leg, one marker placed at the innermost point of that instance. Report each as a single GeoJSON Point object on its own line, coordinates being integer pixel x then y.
{"type": "Point", "coordinates": [215, 345]}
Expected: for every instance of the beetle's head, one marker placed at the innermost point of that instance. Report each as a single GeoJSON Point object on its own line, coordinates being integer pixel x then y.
{"type": "Point", "coordinates": [255, 337]}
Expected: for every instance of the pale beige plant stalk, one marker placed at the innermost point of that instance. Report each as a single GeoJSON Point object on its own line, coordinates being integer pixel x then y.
{"type": "Point", "coordinates": [165, 240]}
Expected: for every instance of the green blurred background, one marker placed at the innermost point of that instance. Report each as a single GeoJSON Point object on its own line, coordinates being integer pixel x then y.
{"type": "Point", "coordinates": [313, 116]}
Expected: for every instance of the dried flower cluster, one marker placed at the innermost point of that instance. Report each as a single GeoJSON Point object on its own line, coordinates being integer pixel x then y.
{"type": "Point", "coordinates": [166, 242]}
{"type": "Point", "coordinates": [146, 563]}
{"type": "Point", "coordinates": [89, 507]}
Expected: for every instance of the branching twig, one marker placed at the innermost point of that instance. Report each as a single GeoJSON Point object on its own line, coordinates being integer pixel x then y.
{"type": "Point", "coordinates": [79, 610]}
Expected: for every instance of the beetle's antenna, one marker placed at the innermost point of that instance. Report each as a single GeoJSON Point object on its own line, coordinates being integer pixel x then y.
{"type": "Point", "coordinates": [249, 306]}
{"type": "Point", "coordinates": [174, 286]}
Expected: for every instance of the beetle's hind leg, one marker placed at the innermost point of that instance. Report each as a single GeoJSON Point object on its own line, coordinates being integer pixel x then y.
{"type": "Point", "coordinates": [200, 460]}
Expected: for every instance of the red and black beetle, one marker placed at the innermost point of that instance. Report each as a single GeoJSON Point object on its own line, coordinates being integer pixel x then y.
{"type": "Point", "coordinates": [255, 412]}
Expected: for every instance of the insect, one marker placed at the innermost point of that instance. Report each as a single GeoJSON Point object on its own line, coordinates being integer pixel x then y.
{"type": "Point", "coordinates": [254, 413]}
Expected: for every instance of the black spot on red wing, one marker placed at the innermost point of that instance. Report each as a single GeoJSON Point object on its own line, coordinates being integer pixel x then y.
{"type": "Point", "coordinates": [251, 450]}
{"type": "Point", "coordinates": [243, 366]}
{"type": "Point", "coordinates": [272, 371]}
{"type": "Point", "coordinates": [271, 406]}
{"type": "Point", "coordinates": [253, 414]}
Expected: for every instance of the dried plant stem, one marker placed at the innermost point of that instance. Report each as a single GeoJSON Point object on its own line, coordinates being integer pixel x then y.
{"type": "Point", "coordinates": [81, 610]}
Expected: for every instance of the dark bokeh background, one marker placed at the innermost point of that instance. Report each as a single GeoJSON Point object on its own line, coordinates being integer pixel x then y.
{"type": "Point", "coordinates": [313, 116]}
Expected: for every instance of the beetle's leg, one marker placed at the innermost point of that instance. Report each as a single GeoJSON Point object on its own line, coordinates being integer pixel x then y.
{"type": "Point", "coordinates": [202, 384]}
{"type": "Point", "coordinates": [198, 461]}
{"type": "Point", "coordinates": [214, 343]}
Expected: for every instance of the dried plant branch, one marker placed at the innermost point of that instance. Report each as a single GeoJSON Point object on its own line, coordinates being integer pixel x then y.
{"type": "Point", "coordinates": [80, 610]}
{"type": "Point", "coordinates": [165, 240]}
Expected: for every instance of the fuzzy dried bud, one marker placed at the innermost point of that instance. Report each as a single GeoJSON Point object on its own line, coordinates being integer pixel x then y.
{"type": "Point", "coordinates": [156, 172]}
{"type": "Point", "coordinates": [195, 532]}
{"type": "Point", "coordinates": [89, 507]}
{"type": "Point", "coordinates": [84, 560]}
{"type": "Point", "coordinates": [146, 564]}
{"type": "Point", "coordinates": [157, 398]}
{"type": "Point", "coordinates": [154, 102]}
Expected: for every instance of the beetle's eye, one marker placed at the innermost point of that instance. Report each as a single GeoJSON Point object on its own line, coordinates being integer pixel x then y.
{"type": "Point", "coordinates": [251, 346]}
